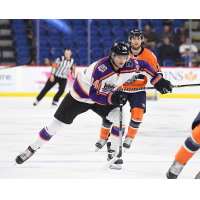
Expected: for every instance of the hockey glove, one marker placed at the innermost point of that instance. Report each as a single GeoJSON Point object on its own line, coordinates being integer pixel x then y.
{"type": "Point", "coordinates": [117, 98]}
{"type": "Point", "coordinates": [162, 85]}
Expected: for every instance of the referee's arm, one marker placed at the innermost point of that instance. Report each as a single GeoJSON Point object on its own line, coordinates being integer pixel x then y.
{"type": "Point", "coordinates": [73, 70]}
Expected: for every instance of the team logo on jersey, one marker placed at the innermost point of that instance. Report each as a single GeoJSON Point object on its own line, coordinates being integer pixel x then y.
{"type": "Point", "coordinates": [109, 86]}
{"type": "Point", "coordinates": [124, 48]}
{"type": "Point", "coordinates": [102, 68]}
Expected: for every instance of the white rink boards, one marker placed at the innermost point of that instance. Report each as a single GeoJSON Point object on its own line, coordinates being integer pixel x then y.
{"type": "Point", "coordinates": [70, 154]}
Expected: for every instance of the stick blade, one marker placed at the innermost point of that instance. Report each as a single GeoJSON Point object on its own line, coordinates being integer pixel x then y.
{"type": "Point", "coordinates": [109, 163]}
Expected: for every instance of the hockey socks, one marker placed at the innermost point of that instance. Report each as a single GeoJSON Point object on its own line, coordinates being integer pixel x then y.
{"type": "Point", "coordinates": [136, 120]}
{"type": "Point", "coordinates": [189, 147]}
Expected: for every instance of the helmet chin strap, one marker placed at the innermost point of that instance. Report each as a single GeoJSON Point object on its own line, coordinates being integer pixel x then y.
{"type": "Point", "coordinates": [114, 63]}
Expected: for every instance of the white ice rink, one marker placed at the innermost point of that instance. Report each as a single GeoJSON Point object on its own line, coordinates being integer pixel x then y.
{"type": "Point", "coordinates": [70, 154]}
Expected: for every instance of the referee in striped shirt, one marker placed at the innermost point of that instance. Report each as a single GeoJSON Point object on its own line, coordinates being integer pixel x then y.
{"type": "Point", "coordinates": [59, 74]}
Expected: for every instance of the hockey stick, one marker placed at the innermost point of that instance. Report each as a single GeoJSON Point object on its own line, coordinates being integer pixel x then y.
{"type": "Point", "coordinates": [115, 158]}
{"type": "Point", "coordinates": [28, 63]}
{"type": "Point", "coordinates": [146, 88]}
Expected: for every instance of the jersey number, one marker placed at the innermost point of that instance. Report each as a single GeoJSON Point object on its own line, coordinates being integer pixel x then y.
{"type": "Point", "coordinates": [96, 83]}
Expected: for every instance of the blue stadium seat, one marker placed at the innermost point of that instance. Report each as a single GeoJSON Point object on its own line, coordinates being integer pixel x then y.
{"type": "Point", "coordinates": [177, 22]}
{"type": "Point", "coordinates": [18, 21]}
{"type": "Point", "coordinates": [158, 29]}
{"type": "Point", "coordinates": [84, 62]}
{"type": "Point", "coordinates": [23, 60]}
{"type": "Point", "coordinates": [55, 41]}
{"type": "Point", "coordinates": [81, 42]}
{"type": "Point", "coordinates": [42, 32]}
{"type": "Point", "coordinates": [155, 51]}
{"type": "Point", "coordinates": [159, 62]}
{"type": "Point", "coordinates": [94, 31]}
{"type": "Point", "coordinates": [121, 39]}
{"type": "Point", "coordinates": [76, 60]}
{"type": "Point", "coordinates": [83, 53]}
{"type": "Point", "coordinates": [118, 31]}
{"type": "Point", "coordinates": [44, 52]}
{"type": "Point", "coordinates": [105, 31]}
{"type": "Point", "coordinates": [170, 63]}
{"type": "Point", "coordinates": [130, 22]}
{"type": "Point", "coordinates": [107, 42]}
{"type": "Point", "coordinates": [22, 52]}
{"type": "Point", "coordinates": [53, 32]}
{"type": "Point", "coordinates": [21, 41]}
{"type": "Point", "coordinates": [93, 23]}
{"type": "Point", "coordinates": [42, 59]}
{"type": "Point", "coordinates": [67, 21]}
{"type": "Point", "coordinates": [19, 30]}
{"type": "Point", "coordinates": [43, 41]}
{"type": "Point", "coordinates": [97, 53]}
{"type": "Point", "coordinates": [78, 22]}
{"type": "Point", "coordinates": [58, 52]}
{"type": "Point", "coordinates": [106, 51]}
{"type": "Point", "coordinates": [79, 31]}
{"type": "Point", "coordinates": [103, 22]}
{"type": "Point", "coordinates": [95, 42]}
{"type": "Point", "coordinates": [117, 22]}
{"type": "Point", "coordinates": [157, 22]}
{"type": "Point", "coordinates": [68, 42]}
{"type": "Point", "coordinates": [144, 22]}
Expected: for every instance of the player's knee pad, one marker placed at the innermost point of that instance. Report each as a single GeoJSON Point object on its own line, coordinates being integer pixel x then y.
{"type": "Point", "coordinates": [53, 126]}
{"type": "Point", "coordinates": [196, 134]}
{"type": "Point", "coordinates": [113, 116]}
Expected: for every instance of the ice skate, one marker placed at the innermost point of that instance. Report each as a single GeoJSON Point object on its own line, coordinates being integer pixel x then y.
{"type": "Point", "coordinates": [197, 176]}
{"type": "Point", "coordinates": [174, 170]}
{"type": "Point", "coordinates": [100, 144]}
{"type": "Point", "coordinates": [25, 155]}
{"type": "Point", "coordinates": [35, 103]}
{"type": "Point", "coordinates": [118, 163]}
{"type": "Point", "coordinates": [127, 143]}
{"type": "Point", "coordinates": [54, 104]}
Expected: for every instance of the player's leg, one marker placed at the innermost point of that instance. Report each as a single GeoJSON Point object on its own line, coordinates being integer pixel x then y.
{"type": "Point", "coordinates": [62, 84]}
{"type": "Point", "coordinates": [104, 134]}
{"type": "Point", "coordinates": [187, 150]}
{"type": "Point", "coordinates": [111, 113]}
{"type": "Point", "coordinates": [65, 114]}
{"type": "Point", "coordinates": [46, 88]}
{"type": "Point", "coordinates": [138, 108]}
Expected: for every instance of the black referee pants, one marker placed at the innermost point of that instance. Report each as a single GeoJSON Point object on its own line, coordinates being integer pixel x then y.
{"type": "Point", "coordinates": [62, 84]}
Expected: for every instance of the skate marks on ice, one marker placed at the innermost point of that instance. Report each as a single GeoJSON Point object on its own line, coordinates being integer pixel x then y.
{"type": "Point", "coordinates": [71, 152]}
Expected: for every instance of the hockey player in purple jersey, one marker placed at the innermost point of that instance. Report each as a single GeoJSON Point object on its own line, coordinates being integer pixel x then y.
{"type": "Point", "coordinates": [95, 89]}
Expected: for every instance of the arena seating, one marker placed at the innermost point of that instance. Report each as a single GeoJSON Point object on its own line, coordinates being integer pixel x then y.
{"type": "Point", "coordinates": [102, 33]}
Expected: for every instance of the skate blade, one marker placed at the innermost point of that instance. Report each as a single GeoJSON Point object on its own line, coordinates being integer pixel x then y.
{"type": "Point", "coordinates": [15, 164]}
{"type": "Point", "coordinates": [109, 163]}
{"type": "Point", "coordinates": [115, 167]}
{"type": "Point", "coordinates": [97, 149]}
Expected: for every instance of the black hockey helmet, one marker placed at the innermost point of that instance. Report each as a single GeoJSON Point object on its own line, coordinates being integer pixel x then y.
{"type": "Point", "coordinates": [119, 48]}
{"type": "Point", "coordinates": [136, 33]}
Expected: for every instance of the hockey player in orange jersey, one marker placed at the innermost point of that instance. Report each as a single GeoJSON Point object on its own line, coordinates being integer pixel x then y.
{"type": "Point", "coordinates": [137, 99]}
{"type": "Point", "coordinates": [187, 150]}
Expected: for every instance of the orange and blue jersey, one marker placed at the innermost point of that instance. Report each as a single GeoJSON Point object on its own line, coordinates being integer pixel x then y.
{"type": "Point", "coordinates": [141, 80]}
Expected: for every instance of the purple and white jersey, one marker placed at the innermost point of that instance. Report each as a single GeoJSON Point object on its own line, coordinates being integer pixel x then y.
{"type": "Point", "coordinates": [99, 81]}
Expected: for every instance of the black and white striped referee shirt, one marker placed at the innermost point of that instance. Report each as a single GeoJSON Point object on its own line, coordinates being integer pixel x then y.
{"type": "Point", "coordinates": [62, 67]}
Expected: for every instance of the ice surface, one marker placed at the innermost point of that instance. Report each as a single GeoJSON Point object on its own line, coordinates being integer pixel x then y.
{"type": "Point", "coordinates": [70, 154]}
